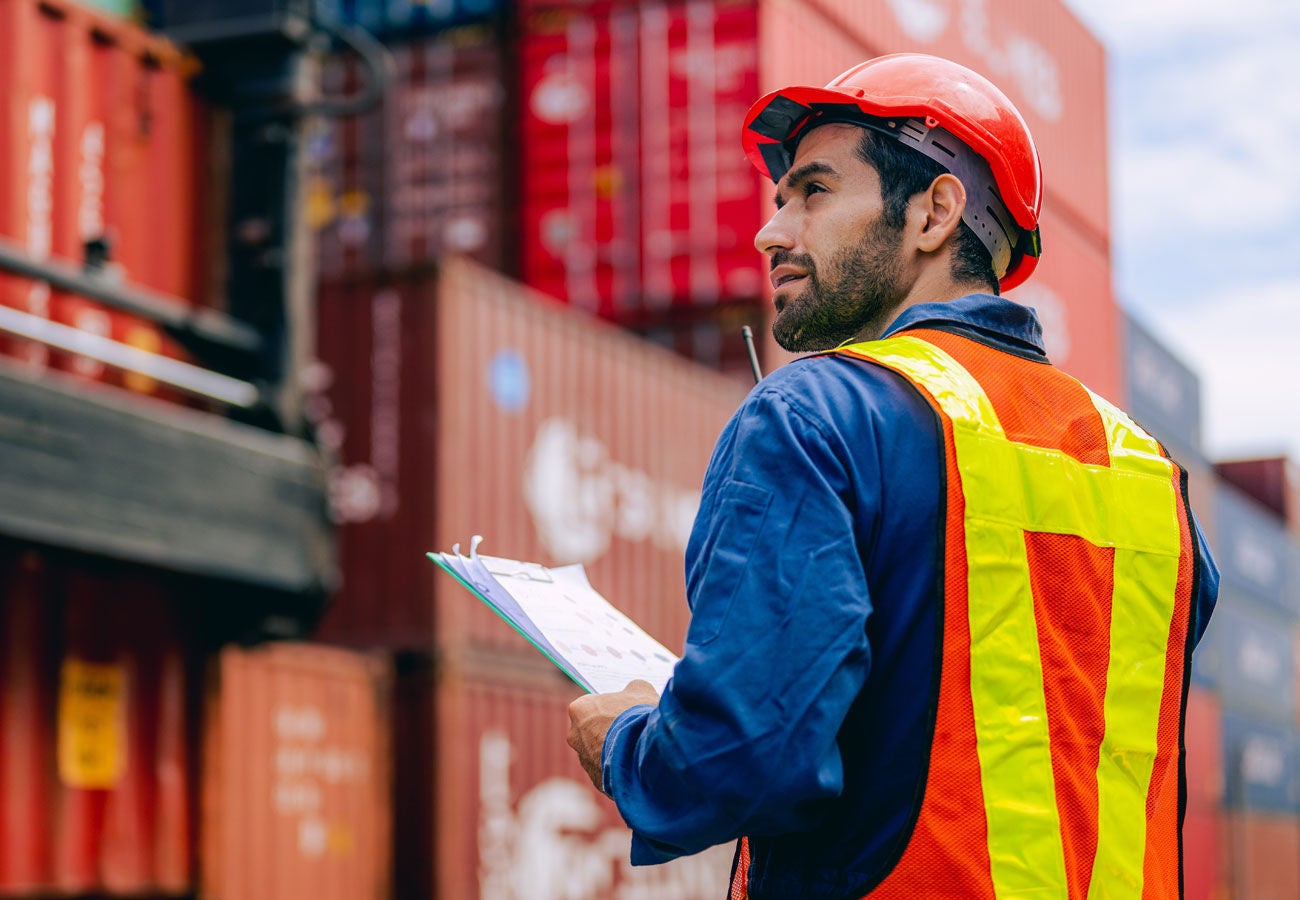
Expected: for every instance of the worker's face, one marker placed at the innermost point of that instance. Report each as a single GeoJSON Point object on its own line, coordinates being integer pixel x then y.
{"type": "Point", "coordinates": [835, 263]}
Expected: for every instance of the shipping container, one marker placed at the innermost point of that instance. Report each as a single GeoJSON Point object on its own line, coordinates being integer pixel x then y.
{"type": "Point", "coordinates": [1247, 655]}
{"type": "Point", "coordinates": [1253, 549]}
{"type": "Point", "coordinates": [1203, 739]}
{"type": "Point", "coordinates": [1161, 392]}
{"type": "Point", "coordinates": [1203, 851]}
{"type": "Point", "coordinates": [1261, 767]}
{"type": "Point", "coordinates": [99, 115]}
{"type": "Point", "coordinates": [424, 174]}
{"type": "Point", "coordinates": [1274, 482]}
{"type": "Point", "coordinates": [297, 775]}
{"type": "Point", "coordinates": [96, 759]}
{"type": "Point", "coordinates": [466, 404]}
{"type": "Point", "coordinates": [712, 337]}
{"type": "Point", "coordinates": [635, 194]}
{"type": "Point", "coordinates": [510, 813]}
{"type": "Point", "coordinates": [1264, 850]}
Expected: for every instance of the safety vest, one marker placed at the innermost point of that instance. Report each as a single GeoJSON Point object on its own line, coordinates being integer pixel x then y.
{"type": "Point", "coordinates": [1055, 766]}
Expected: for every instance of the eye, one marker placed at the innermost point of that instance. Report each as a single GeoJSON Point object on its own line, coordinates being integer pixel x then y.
{"type": "Point", "coordinates": [813, 187]}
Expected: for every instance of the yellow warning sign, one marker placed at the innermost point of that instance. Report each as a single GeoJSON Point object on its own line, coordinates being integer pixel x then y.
{"type": "Point", "coordinates": [92, 724]}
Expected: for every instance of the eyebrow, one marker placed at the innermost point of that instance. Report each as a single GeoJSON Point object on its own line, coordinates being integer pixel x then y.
{"type": "Point", "coordinates": [798, 176]}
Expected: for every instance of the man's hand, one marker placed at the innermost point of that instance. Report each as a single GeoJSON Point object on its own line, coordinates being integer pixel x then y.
{"type": "Point", "coordinates": [590, 717]}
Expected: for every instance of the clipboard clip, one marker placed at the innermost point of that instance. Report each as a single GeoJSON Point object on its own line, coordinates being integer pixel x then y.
{"type": "Point", "coordinates": [507, 568]}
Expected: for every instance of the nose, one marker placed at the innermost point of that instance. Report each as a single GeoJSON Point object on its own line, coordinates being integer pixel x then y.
{"type": "Point", "coordinates": [777, 233]}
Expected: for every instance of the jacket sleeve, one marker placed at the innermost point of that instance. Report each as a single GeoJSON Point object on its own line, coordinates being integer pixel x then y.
{"type": "Point", "coordinates": [743, 740]}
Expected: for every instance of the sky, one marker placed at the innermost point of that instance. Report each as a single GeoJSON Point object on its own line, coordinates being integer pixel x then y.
{"type": "Point", "coordinates": [1204, 117]}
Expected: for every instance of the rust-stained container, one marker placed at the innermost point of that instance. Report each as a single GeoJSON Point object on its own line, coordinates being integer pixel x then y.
{"type": "Point", "coordinates": [101, 144]}
{"type": "Point", "coordinates": [513, 815]}
{"type": "Point", "coordinates": [1264, 852]}
{"type": "Point", "coordinates": [466, 404]}
{"type": "Point", "coordinates": [297, 775]}
{"type": "Point", "coordinates": [96, 770]}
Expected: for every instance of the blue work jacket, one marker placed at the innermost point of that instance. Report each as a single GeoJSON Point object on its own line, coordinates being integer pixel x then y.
{"type": "Point", "coordinates": [802, 704]}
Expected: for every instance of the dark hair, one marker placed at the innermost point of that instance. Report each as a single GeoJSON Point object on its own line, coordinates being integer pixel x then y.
{"type": "Point", "coordinates": [903, 174]}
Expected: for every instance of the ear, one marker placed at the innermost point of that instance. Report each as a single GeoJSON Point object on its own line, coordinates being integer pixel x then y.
{"type": "Point", "coordinates": [942, 205]}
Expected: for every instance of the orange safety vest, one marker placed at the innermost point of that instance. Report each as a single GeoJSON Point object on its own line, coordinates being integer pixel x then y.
{"type": "Point", "coordinates": [1055, 767]}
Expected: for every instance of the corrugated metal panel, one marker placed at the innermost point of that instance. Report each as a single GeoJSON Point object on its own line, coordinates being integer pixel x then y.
{"type": "Point", "coordinates": [1203, 738]}
{"type": "Point", "coordinates": [556, 437]}
{"type": "Point", "coordinates": [379, 341]}
{"type": "Point", "coordinates": [102, 116]}
{"type": "Point", "coordinates": [97, 771]}
{"type": "Point", "coordinates": [565, 441]}
{"type": "Point", "coordinates": [423, 175]}
{"type": "Point", "coordinates": [1203, 850]}
{"type": "Point", "coordinates": [1264, 850]}
{"type": "Point", "coordinates": [1247, 654]}
{"type": "Point", "coordinates": [297, 775]}
{"type": "Point", "coordinates": [1260, 765]}
{"type": "Point", "coordinates": [636, 196]}
{"type": "Point", "coordinates": [516, 818]}
{"type": "Point", "coordinates": [1253, 550]}
{"type": "Point", "coordinates": [1162, 393]}
{"type": "Point", "coordinates": [1042, 57]}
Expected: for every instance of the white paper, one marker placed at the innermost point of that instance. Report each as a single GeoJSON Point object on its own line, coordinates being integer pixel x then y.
{"type": "Point", "coordinates": [602, 644]}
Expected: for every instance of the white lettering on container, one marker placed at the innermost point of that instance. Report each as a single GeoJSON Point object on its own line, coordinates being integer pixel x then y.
{"type": "Point", "coordinates": [581, 499]}
{"type": "Point", "coordinates": [553, 844]}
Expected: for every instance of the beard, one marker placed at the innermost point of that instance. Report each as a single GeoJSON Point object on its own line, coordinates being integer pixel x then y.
{"type": "Point", "coordinates": [857, 292]}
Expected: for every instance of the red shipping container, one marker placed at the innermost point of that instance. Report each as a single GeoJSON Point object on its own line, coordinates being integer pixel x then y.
{"type": "Point", "coordinates": [422, 175]}
{"type": "Point", "coordinates": [1273, 481]}
{"type": "Point", "coordinates": [469, 404]}
{"type": "Point", "coordinates": [96, 731]}
{"type": "Point", "coordinates": [101, 144]}
{"type": "Point", "coordinates": [297, 775]}
{"type": "Point", "coordinates": [636, 196]}
{"type": "Point", "coordinates": [1265, 856]}
{"type": "Point", "coordinates": [1203, 739]}
{"type": "Point", "coordinates": [512, 814]}
{"type": "Point", "coordinates": [1203, 851]}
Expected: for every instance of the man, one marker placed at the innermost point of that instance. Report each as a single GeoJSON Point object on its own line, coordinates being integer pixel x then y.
{"type": "Point", "coordinates": [943, 598]}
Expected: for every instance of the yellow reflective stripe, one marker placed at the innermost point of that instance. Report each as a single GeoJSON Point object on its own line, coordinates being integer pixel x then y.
{"type": "Point", "coordinates": [1142, 611]}
{"type": "Point", "coordinates": [1052, 492]}
{"type": "Point", "coordinates": [1011, 729]}
{"type": "Point", "coordinates": [1010, 488]}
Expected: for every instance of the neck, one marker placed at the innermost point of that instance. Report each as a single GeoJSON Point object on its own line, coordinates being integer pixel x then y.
{"type": "Point", "coordinates": [929, 287]}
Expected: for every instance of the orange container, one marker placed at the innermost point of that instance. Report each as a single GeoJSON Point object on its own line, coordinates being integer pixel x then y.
{"type": "Point", "coordinates": [1203, 855]}
{"type": "Point", "coordinates": [513, 815]}
{"type": "Point", "coordinates": [469, 405]}
{"type": "Point", "coordinates": [95, 760]}
{"type": "Point", "coordinates": [101, 143]}
{"type": "Point", "coordinates": [1203, 738]}
{"type": "Point", "coordinates": [297, 775]}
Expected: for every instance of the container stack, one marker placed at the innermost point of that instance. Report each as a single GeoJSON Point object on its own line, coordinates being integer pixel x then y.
{"type": "Point", "coordinates": [103, 116]}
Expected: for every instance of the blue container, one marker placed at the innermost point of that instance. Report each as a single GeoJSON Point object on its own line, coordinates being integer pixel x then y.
{"type": "Point", "coordinates": [1248, 655]}
{"type": "Point", "coordinates": [1261, 770]}
{"type": "Point", "coordinates": [1163, 394]}
{"type": "Point", "coordinates": [1253, 550]}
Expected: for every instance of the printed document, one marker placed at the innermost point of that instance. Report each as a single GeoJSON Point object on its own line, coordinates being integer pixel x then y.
{"type": "Point", "coordinates": [563, 616]}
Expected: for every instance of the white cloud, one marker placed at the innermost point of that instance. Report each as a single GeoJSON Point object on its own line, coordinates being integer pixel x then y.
{"type": "Point", "coordinates": [1142, 27]}
{"type": "Point", "coordinates": [1246, 347]}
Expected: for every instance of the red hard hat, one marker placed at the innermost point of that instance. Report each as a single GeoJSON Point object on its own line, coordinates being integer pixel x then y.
{"type": "Point", "coordinates": [939, 93]}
